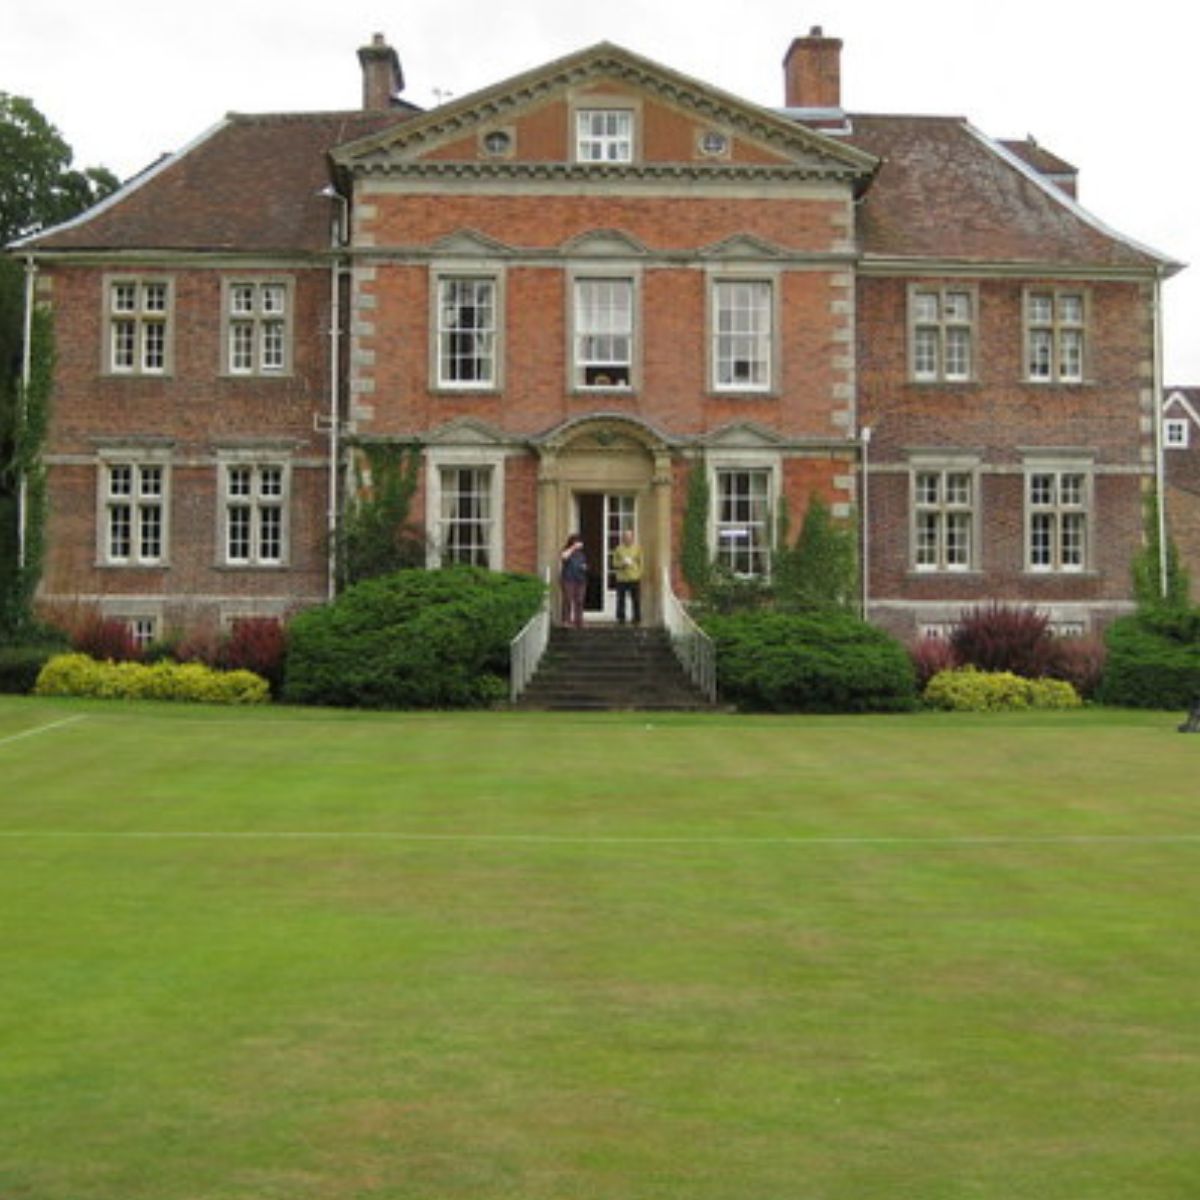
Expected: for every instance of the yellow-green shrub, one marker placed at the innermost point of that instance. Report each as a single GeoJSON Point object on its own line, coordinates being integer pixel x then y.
{"type": "Point", "coordinates": [79, 675]}
{"type": "Point", "coordinates": [969, 690]}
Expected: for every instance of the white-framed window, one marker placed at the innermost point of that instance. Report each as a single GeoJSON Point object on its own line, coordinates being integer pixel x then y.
{"type": "Point", "coordinates": [467, 331]}
{"type": "Point", "coordinates": [742, 510]}
{"type": "Point", "coordinates": [1057, 510]}
{"type": "Point", "coordinates": [465, 523]}
{"type": "Point", "coordinates": [1055, 332]}
{"type": "Point", "coordinates": [138, 316]}
{"type": "Point", "coordinates": [134, 500]}
{"type": "Point", "coordinates": [1176, 433]}
{"type": "Point", "coordinates": [942, 333]}
{"type": "Point", "coordinates": [464, 509]}
{"type": "Point", "coordinates": [743, 335]}
{"type": "Point", "coordinates": [258, 316]}
{"type": "Point", "coordinates": [944, 518]}
{"type": "Point", "coordinates": [603, 327]}
{"type": "Point", "coordinates": [254, 512]}
{"type": "Point", "coordinates": [604, 135]}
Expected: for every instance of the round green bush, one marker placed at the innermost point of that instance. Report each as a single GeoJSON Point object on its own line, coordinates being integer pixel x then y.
{"type": "Point", "coordinates": [810, 662]}
{"type": "Point", "coordinates": [1153, 661]}
{"type": "Point", "coordinates": [414, 639]}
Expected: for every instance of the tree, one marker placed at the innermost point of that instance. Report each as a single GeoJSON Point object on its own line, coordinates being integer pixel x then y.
{"type": "Point", "coordinates": [38, 189]}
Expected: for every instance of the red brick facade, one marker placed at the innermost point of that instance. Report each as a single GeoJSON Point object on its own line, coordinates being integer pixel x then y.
{"type": "Point", "coordinates": [757, 285]}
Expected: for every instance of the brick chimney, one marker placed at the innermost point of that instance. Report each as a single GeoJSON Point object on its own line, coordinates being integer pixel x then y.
{"type": "Point", "coordinates": [812, 71]}
{"type": "Point", "coordinates": [382, 77]}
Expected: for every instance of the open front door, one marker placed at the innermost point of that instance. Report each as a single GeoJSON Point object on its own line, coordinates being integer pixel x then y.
{"type": "Point", "coordinates": [602, 518]}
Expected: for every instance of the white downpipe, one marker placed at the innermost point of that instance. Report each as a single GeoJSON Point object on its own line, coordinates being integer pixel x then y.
{"type": "Point", "coordinates": [864, 504]}
{"type": "Point", "coordinates": [26, 378]}
{"type": "Point", "coordinates": [335, 322]}
{"type": "Point", "coordinates": [1159, 464]}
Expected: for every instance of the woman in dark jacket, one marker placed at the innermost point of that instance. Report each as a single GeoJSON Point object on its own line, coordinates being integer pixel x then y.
{"type": "Point", "coordinates": [574, 574]}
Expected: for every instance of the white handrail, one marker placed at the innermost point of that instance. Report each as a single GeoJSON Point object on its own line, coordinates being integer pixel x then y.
{"type": "Point", "coordinates": [693, 647]}
{"type": "Point", "coordinates": [526, 649]}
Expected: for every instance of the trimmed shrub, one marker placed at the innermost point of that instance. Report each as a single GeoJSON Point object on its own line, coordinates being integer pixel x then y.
{"type": "Point", "coordinates": [1079, 661]}
{"type": "Point", "coordinates": [21, 665]}
{"type": "Point", "coordinates": [104, 638]}
{"type": "Point", "coordinates": [999, 637]}
{"type": "Point", "coordinates": [257, 644]}
{"type": "Point", "coordinates": [931, 655]}
{"type": "Point", "coordinates": [793, 662]}
{"type": "Point", "coordinates": [1153, 660]}
{"type": "Point", "coordinates": [81, 675]}
{"type": "Point", "coordinates": [414, 639]}
{"type": "Point", "coordinates": [969, 690]}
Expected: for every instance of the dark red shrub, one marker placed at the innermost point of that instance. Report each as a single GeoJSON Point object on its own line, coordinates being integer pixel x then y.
{"type": "Point", "coordinates": [1080, 661]}
{"type": "Point", "coordinates": [200, 646]}
{"type": "Point", "coordinates": [931, 655]}
{"type": "Point", "coordinates": [104, 638]}
{"type": "Point", "coordinates": [999, 637]}
{"type": "Point", "coordinates": [257, 644]}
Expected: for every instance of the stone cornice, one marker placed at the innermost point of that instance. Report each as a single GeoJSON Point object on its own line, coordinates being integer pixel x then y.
{"type": "Point", "coordinates": [870, 266]}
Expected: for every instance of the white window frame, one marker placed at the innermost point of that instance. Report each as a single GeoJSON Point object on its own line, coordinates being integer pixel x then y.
{"type": "Point", "coordinates": [734, 327]}
{"type": "Point", "coordinates": [938, 329]}
{"type": "Point", "coordinates": [256, 320]}
{"type": "Point", "coordinates": [605, 133]}
{"type": "Point", "coordinates": [591, 371]}
{"type": "Point", "coordinates": [952, 514]}
{"type": "Point", "coordinates": [439, 460]}
{"type": "Point", "coordinates": [445, 282]}
{"type": "Point", "coordinates": [1176, 433]}
{"type": "Point", "coordinates": [1059, 517]}
{"type": "Point", "coordinates": [255, 491]}
{"type": "Point", "coordinates": [139, 325]}
{"type": "Point", "coordinates": [769, 469]}
{"type": "Point", "coordinates": [133, 494]}
{"type": "Point", "coordinates": [1055, 324]}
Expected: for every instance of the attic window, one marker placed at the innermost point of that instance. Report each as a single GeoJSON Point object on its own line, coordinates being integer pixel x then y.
{"type": "Point", "coordinates": [498, 143]}
{"type": "Point", "coordinates": [604, 135]}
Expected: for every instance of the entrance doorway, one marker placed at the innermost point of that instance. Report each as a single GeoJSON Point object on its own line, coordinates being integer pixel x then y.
{"type": "Point", "coordinates": [602, 517]}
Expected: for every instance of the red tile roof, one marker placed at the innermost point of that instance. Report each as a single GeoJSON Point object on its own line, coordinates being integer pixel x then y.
{"type": "Point", "coordinates": [251, 184]}
{"type": "Point", "coordinates": [945, 191]}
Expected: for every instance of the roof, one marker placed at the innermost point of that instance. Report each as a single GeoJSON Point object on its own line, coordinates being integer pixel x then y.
{"type": "Point", "coordinates": [1038, 157]}
{"type": "Point", "coordinates": [252, 183]}
{"type": "Point", "coordinates": [946, 192]}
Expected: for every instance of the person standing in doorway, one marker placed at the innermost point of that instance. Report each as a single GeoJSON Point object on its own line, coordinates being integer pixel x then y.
{"type": "Point", "coordinates": [573, 575]}
{"type": "Point", "coordinates": [627, 567]}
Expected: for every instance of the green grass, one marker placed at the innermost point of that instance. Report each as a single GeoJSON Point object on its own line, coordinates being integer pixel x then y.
{"type": "Point", "coordinates": [310, 955]}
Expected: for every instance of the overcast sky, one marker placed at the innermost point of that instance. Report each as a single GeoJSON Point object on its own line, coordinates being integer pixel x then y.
{"type": "Point", "coordinates": [125, 81]}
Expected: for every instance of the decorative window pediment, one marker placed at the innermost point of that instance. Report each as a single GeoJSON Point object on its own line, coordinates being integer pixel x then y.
{"type": "Point", "coordinates": [467, 243]}
{"type": "Point", "coordinates": [742, 246]}
{"type": "Point", "coordinates": [603, 243]}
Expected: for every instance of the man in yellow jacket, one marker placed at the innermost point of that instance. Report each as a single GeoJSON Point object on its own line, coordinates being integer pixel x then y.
{"type": "Point", "coordinates": [627, 567]}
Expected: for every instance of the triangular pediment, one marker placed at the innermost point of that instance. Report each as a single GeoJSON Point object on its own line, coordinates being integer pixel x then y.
{"type": "Point", "coordinates": [742, 435]}
{"type": "Point", "coordinates": [604, 243]}
{"type": "Point", "coordinates": [467, 431]}
{"type": "Point", "coordinates": [742, 246]}
{"type": "Point", "coordinates": [1179, 404]}
{"type": "Point", "coordinates": [518, 126]}
{"type": "Point", "coordinates": [467, 243]}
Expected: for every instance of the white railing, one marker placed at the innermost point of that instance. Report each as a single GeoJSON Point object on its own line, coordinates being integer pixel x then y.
{"type": "Point", "coordinates": [526, 649]}
{"type": "Point", "coordinates": [693, 647]}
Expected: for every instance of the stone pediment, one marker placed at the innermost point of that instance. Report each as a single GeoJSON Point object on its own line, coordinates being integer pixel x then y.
{"type": "Point", "coordinates": [467, 431]}
{"type": "Point", "coordinates": [743, 246]}
{"type": "Point", "coordinates": [467, 243]}
{"type": "Point", "coordinates": [451, 139]}
{"type": "Point", "coordinates": [742, 435]}
{"type": "Point", "coordinates": [604, 243]}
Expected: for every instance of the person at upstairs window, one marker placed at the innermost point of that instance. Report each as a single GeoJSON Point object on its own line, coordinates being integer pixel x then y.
{"type": "Point", "coordinates": [627, 567]}
{"type": "Point", "coordinates": [574, 573]}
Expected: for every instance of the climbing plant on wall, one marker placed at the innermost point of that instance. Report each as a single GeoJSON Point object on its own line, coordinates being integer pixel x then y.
{"type": "Point", "coordinates": [377, 533]}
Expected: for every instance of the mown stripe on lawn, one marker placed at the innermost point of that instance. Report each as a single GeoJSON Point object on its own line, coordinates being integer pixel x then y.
{"type": "Point", "coordinates": [1116, 839]}
{"type": "Point", "coordinates": [28, 733]}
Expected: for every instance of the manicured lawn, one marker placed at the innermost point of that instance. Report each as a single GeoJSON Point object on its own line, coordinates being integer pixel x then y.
{"type": "Point", "coordinates": [311, 956]}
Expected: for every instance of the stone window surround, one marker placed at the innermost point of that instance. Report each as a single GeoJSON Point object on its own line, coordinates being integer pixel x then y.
{"type": "Point", "coordinates": [726, 274]}
{"type": "Point", "coordinates": [228, 318]}
{"type": "Point", "coordinates": [438, 458]}
{"type": "Point", "coordinates": [136, 457]}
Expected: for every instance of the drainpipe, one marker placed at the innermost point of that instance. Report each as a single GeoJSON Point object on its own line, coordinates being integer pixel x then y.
{"type": "Point", "coordinates": [864, 505]}
{"type": "Point", "coordinates": [1159, 464]}
{"type": "Point", "coordinates": [26, 377]}
{"type": "Point", "coordinates": [338, 235]}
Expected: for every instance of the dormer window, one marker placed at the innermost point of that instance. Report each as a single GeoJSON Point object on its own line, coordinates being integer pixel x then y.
{"type": "Point", "coordinates": [604, 135]}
